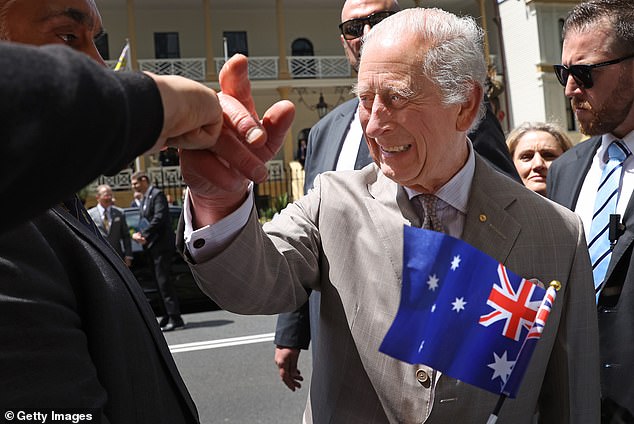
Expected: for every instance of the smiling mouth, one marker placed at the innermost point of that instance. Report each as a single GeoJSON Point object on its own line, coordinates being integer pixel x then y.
{"type": "Point", "coordinates": [396, 149]}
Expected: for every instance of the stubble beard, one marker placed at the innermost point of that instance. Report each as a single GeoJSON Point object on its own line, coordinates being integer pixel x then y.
{"type": "Point", "coordinates": [610, 114]}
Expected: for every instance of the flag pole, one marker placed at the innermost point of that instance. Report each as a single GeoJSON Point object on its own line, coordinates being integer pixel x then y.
{"type": "Point", "coordinates": [493, 418]}
{"type": "Point", "coordinates": [553, 288]}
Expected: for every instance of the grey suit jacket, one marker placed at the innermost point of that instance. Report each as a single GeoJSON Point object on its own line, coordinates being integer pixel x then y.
{"type": "Point", "coordinates": [118, 235]}
{"type": "Point", "coordinates": [616, 312]}
{"type": "Point", "coordinates": [310, 245]}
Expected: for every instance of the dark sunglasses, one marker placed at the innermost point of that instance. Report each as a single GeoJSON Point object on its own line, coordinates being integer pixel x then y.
{"type": "Point", "coordinates": [354, 27]}
{"type": "Point", "coordinates": [582, 74]}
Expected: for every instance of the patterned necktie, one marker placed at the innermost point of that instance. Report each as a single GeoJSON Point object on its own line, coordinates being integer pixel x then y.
{"type": "Point", "coordinates": [604, 206]}
{"type": "Point", "coordinates": [427, 202]}
{"type": "Point", "coordinates": [106, 221]}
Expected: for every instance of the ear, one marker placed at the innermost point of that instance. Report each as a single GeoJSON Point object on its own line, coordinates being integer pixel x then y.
{"type": "Point", "coordinates": [469, 109]}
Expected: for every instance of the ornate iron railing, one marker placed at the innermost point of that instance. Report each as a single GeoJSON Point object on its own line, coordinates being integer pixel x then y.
{"type": "Point", "coordinates": [260, 67]}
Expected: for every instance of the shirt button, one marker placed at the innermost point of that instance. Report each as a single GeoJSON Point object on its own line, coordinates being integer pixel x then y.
{"type": "Point", "coordinates": [198, 243]}
{"type": "Point", "coordinates": [422, 376]}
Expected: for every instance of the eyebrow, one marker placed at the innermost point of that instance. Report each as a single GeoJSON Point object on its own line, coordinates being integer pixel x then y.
{"type": "Point", "coordinates": [82, 18]}
{"type": "Point", "coordinates": [76, 15]}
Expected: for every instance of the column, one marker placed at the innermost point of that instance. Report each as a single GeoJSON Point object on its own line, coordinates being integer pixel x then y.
{"type": "Point", "coordinates": [289, 145]}
{"type": "Point", "coordinates": [281, 42]}
{"type": "Point", "coordinates": [210, 67]}
{"type": "Point", "coordinates": [132, 34]}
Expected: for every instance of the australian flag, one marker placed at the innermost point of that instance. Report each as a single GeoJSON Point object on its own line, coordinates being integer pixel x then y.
{"type": "Point", "coordinates": [463, 313]}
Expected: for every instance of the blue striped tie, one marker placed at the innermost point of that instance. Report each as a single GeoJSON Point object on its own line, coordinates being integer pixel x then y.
{"type": "Point", "coordinates": [604, 206]}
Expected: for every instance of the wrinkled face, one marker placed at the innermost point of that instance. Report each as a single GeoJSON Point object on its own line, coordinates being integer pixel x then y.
{"type": "Point", "coordinates": [75, 23]}
{"type": "Point", "coordinates": [533, 155]}
{"type": "Point", "coordinates": [353, 9]}
{"type": "Point", "coordinates": [415, 139]}
{"type": "Point", "coordinates": [104, 197]}
{"type": "Point", "coordinates": [607, 107]}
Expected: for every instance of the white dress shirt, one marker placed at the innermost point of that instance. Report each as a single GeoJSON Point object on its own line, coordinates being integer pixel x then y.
{"type": "Point", "coordinates": [585, 203]}
{"type": "Point", "coordinates": [350, 148]}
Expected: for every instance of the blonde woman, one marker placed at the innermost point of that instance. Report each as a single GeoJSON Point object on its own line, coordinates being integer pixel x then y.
{"type": "Point", "coordinates": [533, 146]}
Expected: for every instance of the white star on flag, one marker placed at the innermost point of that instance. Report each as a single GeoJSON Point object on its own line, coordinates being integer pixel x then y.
{"type": "Point", "coordinates": [433, 307]}
{"type": "Point", "coordinates": [455, 263]}
{"type": "Point", "coordinates": [459, 304]}
{"type": "Point", "coordinates": [432, 282]}
{"type": "Point", "coordinates": [501, 367]}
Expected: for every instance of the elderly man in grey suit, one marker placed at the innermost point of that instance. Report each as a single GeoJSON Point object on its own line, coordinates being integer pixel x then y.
{"type": "Point", "coordinates": [602, 96]}
{"type": "Point", "coordinates": [336, 143]}
{"type": "Point", "coordinates": [111, 222]}
{"type": "Point", "coordinates": [420, 89]}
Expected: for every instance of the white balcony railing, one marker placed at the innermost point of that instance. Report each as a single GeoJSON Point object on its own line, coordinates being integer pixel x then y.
{"type": "Point", "coordinates": [260, 67]}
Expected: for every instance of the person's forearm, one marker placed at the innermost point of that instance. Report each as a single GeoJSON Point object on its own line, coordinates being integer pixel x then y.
{"type": "Point", "coordinates": [67, 120]}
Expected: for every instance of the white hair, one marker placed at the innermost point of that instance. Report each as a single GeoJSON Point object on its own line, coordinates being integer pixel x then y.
{"type": "Point", "coordinates": [451, 53]}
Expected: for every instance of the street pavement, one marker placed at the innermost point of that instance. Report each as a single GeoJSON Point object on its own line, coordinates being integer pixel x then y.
{"type": "Point", "coordinates": [227, 363]}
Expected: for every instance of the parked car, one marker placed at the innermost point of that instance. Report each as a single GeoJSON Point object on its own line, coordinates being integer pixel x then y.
{"type": "Point", "coordinates": [190, 297]}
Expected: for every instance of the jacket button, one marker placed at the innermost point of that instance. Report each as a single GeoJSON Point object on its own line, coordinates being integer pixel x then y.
{"type": "Point", "coordinates": [422, 376]}
{"type": "Point", "coordinates": [198, 243]}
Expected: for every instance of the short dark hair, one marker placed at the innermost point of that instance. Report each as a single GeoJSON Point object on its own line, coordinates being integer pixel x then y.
{"type": "Point", "coordinates": [140, 175]}
{"type": "Point", "coordinates": [618, 13]}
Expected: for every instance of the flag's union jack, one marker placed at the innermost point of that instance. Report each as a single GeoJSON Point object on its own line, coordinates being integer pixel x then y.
{"type": "Point", "coordinates": [542, 314]}
{"type": "Point", "coordinates": [513, 306]}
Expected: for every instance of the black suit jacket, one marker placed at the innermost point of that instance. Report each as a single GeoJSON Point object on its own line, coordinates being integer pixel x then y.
{"type": "Point", "coordinates": [616, 313]}
{"type": "Point", "coordinates": [76, 328]}
{"type": "Point", "coordinates": [53, 120]}
{"type": "Point", "coordinates": [159, 232]}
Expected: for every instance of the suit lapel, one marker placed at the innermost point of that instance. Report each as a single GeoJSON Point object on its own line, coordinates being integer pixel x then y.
{"type": "Point", "coordinates": [573, 173]}
{"type": "Point", "coordinates": [135, 292]}
{"type": "Point", "coordinates": [488, 226]}
{"type": "Point", "coordinates": [624, 242]}
{"type": "Point", "coordinates": [390, 209]}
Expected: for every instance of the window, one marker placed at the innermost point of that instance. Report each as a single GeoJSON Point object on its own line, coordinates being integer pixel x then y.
{"type": "Point", "coordinates": [236, 42]}
{"type": "Point", "coordinates": [302, 68]}
{"type": "Point", "coordinates": [166, 45]}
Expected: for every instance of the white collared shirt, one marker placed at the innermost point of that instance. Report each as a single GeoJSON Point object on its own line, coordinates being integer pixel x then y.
{"type": "Point", "coordinates": [588, 193]}
{"type": "Point", "coordinates": [104, 212]}
{"type": "Point", "coordinates": [350, 148]}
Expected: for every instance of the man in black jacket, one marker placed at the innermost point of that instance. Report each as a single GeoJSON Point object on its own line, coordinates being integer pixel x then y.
{"type": "Point", "coordinates": [77, 331]}
{"type": "Point", "coordinates": [156, 235]}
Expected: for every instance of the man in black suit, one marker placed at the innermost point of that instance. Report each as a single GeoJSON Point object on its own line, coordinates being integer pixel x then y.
{"type": "Point", "coordinates": [336, 143]}
{"type": "Point", "coordinates": [157, 237]}
{"type": "Point", "coordinates": [111, 222]}
{"type": "Point", "coordinates": [77, 331]}
{"type": "Point", "coordinates": [597, 72]}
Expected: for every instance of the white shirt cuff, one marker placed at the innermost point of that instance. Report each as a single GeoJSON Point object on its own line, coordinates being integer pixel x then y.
{"type": "Point", "coordinates": [206, 242]}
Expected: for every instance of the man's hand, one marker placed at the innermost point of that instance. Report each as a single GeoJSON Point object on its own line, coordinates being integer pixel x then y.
{"type": "Point", "coordinates": [286, 360]}
{"type": "Point", "coordinates": [192, 116]}
{"type": "Point", "coordinates": [139, 238]}
{"type": "Point", "coordinates": [218, 177]}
